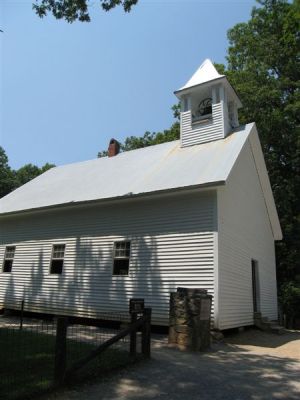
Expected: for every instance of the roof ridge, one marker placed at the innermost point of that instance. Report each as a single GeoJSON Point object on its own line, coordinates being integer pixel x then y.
{"type": "Point", "coordinates": [118, 155]}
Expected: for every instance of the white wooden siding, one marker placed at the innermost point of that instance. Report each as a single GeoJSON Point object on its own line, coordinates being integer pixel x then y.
{"type": "Point", "coordinates": [204, 132]}
{"type": "Point", "coordinates": [244, 234]}
{"type": "Point", "coordinates": [172, 244]}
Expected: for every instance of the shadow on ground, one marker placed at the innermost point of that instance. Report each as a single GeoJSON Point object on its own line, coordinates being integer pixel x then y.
{"type": "Point", "coordinates": [255, 337]}
{"type": "Point", "coordinates": [227, 372]}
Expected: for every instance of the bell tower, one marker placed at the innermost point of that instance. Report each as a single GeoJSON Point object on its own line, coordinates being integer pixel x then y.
{"type": "Point", "coordinates": [209, 107]}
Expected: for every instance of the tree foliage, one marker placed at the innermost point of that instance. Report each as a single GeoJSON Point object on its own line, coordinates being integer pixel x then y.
{"type": "Point", "coordinates": [11, 179]}
{"type": "Point", "coordinates": [30, 171]}
{"type": "Point", "coordinates": [7, 179]}
{"type": "Point", "coordinates": [264, 67]}
{"type": "Point", "coordinates": [289, 297]}
{"type": "Point", "coordinates": [77, 10]}
{"type": "Point", "coordinates": [150, 138]}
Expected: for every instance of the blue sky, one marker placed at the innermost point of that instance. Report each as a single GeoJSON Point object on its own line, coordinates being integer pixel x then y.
{"type": "Point", "coordinates": [66, 89]}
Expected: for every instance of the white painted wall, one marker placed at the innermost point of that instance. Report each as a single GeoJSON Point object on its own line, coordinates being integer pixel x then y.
{"type": "Point", "coordinates": [191, 134]}
{"type": "Point", "coordinates": [244, 233]}
{"type": "Point", "coordinates": [172, 241]}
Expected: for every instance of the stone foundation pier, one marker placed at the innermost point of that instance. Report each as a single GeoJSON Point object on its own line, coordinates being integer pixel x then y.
{"type": "Point", "coordinates": [189, 326]}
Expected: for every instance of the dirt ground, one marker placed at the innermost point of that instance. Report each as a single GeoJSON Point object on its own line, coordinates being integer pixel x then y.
{"type": "Point", "coordinates": [286, 345]}
{"type": "Point", "coordinates": [250, 365]}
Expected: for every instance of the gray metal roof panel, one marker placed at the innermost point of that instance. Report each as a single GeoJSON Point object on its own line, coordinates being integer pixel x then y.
{"type": "Point", "coordinates": [156, 168]}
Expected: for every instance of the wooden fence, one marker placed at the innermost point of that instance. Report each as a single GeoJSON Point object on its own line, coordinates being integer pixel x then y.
{"type": "Point", "coordinates": [140, 321]}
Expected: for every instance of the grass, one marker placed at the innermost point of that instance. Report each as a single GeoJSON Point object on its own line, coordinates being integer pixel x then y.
{"type": "Point", "coordinates": [27, 362]}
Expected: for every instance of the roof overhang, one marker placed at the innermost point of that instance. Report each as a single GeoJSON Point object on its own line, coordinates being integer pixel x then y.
{"type": "Point", "coordinates": [222, 79]}
{"type": "Point", "coordinates": [265, 183]}
{"type": "Point", "coordinates": [159, 194]}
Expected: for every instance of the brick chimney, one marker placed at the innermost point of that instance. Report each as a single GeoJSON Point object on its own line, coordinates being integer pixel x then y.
{"type": "Point", "coordinates": [113, 148]}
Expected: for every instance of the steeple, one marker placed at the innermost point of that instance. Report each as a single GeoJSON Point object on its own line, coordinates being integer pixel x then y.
{"type": "Point", "coordinates": [209, 106]}
{"type": "Point", "coordinates": [205, 73]}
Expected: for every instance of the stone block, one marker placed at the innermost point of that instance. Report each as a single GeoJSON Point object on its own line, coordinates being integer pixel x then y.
{"type": "Point", "coordinates": [190, 319]}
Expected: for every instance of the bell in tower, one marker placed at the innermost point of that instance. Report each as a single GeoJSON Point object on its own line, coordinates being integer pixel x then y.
{"type": "Point", "coordinates": [209, 107]}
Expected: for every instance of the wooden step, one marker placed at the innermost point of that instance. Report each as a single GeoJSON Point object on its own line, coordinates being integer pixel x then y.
{"type": "Point", "coordinates": [266, 325]}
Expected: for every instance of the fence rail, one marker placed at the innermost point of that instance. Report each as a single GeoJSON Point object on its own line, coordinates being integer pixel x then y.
{"type": "Point", "coordinates": [36, 355]}
{"type": "Point", "coordinates": [62, 373]}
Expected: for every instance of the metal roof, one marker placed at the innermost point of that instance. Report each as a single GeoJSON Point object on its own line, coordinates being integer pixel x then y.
{"type": "Point", "coordinates": [205, 73]}
{"type": "Point", "coordinates": [152, 169]}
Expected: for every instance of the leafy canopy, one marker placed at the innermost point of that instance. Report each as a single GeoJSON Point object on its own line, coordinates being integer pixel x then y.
{"type": "Point", "coordinates": [289, 297]}
{"type": "Point", "coordinates": [12, 179]}
{"type": "Point", "coordinates": [77, 10]}
{"type": "Point", "coordinates": [150, 138]}
{"type": "Point", "coordinates": [264, 67]}
{"type": "Point", "coordinates": [6, 175]}
{"type": "Point", "coordinates": [30, 171]}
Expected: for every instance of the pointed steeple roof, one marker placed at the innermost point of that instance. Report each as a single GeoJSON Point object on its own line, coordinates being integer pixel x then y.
{"type": "Point", "coordinates": [205, 73]}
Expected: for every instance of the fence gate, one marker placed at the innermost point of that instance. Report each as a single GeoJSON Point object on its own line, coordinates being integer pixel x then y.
{"type": "Point", "coordinates": [140, 319]}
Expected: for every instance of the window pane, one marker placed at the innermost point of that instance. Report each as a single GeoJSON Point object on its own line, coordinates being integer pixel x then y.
{"type": "Point", "coordinates": [7, 265]}
{"type": "Point", "coordinates": [122, 245]}
{"type": "Point", "coordinates": [10, 252]}
{"type": "Point", "coordinates": [121, 257]}
{"type": "Point", "coordinates": [122, 249]}
{"type": "Point", "coordinates": [58, 251]}
{"type": "Point", "coordinates": [59, 247]}
{"type": "Point", "coordinates": [57, 260]}
{"type": "Point", "coordinates": [56, 266]}
{"type": "Point", "coordinates": [121, 266]}
{"type": "Point", "coordinates": [58, 254]}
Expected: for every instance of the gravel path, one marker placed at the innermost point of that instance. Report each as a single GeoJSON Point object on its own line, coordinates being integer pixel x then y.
{"type": "Point", "coordinates": [251, 365]}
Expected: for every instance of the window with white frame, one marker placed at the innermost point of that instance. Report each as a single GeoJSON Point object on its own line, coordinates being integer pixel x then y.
{"type": "Point", "coordinates": [8, 258]}
{"type": "Point", "coordinates": [57, 258]}
{"type": "Point", "coordinates": [121, 257]}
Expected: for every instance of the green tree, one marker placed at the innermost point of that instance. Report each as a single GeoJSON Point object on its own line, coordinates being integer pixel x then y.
{"type": "Point", "coordinates": [289, 297]}
{"type": "Point", "coordinates": [29, 172]}
{"type": "Point", "coordinates": [7, 177]}
{"type": "Point", "coordinates": [150, 138]}
{"type": "Point", "coordinates": [77, 10]}
{"type": "Point", "coordinates": [264, 67]}
{"type": "Point", "coordinates": [11, 179]}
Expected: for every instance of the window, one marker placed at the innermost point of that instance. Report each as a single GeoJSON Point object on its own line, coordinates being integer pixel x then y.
{"type": "Point", "coordinates": [57, 259]}
{"type": "Point", "coordinates": [8, 258]}
{"type": "Point", "coordinates": [203, 112]}
{"type": "Point", "coordinates": [121, 258]}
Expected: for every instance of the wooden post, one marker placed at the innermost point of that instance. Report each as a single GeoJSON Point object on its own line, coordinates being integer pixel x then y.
{"type": "Point", "coordinates": [146, 333]}
{"type": "Point", "coordinates": [60, 351]}
{"type": "Point", "coordinates": [133, 336]}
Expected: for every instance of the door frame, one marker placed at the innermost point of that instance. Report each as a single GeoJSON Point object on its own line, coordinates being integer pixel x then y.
{"type": "Point", "coordinates": [255, 285]}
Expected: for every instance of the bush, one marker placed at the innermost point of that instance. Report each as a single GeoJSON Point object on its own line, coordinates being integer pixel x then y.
{"type": "Point", "coordinates": [289, 299]}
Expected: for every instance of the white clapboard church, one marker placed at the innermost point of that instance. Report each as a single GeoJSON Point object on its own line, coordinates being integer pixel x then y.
{"type": "Point", "coordinates": [82, 239]}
